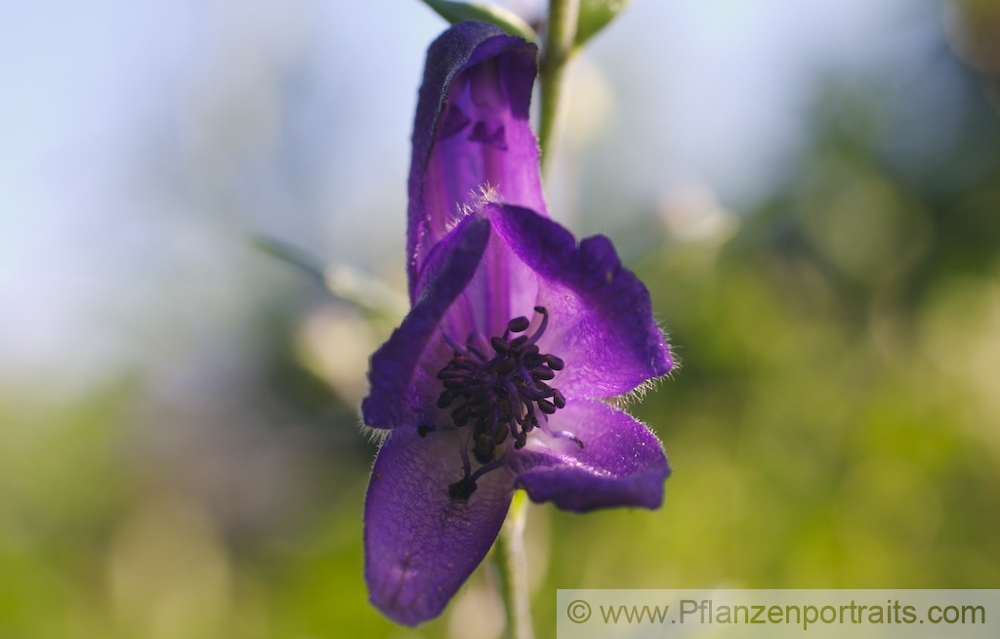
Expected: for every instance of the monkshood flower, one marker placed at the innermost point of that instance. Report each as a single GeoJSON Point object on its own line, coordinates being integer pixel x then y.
{"type": "Point", "coordinates": [495, 379]}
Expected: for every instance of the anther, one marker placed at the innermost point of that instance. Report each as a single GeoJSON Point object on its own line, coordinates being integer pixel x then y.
{"type": "Point", "coordinates": [518, 324]}
{"type": "Point", "coordinates": [478, 353]}
{"type": "Point", "coordinates": [462, 489]}
{"type": "Point", "coordinates": [446, 398]}
{"type": "Point", "coordinates": [546, 406]}
{"type": "Point", "coordinates": [494, 396]}
{"type": "Point", "coordinates": [461, 415]}
{"type": "Point", "coordinates": [493, 465]}
{"type": "Point", "coordinates": [558, 399]}
{"type": "Point", "coordinates": [542, 326]}
{"type": "Point", "coordinates": [485, 448]}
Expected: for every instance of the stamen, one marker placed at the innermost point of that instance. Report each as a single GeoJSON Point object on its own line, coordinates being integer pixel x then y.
{"type": "Point", "coordinates": [455, 346]}
{"type": "Point", "coordinates": [464, 451]}
{"type": "Point", "coordinates": [519, 342]}
{"type": "Point", "coordinates": [462, 489]}
{"type": "Point", "coordinates": [541, 327]}
{"type": "Point", "coordinates": [546, 406]}
{"type": "Point", "coordinates": [558, 399]}
{"type": "Point", "coordinates": [447, 397]}
{"type": "Point", "coordinates": [518, 325]}
{"type": "Point", "coordinates": [485, 448]}
{"type": "Point", "coordinates": [561, 434]}
{"type": "Point", "coordinates": [497, 463]}
{"type": "Point", "coordinates": [478, 353]}
{"type": "Point", "coordinates": [499, 396]}
{"type": "Point", "coordinates": [543, 373]}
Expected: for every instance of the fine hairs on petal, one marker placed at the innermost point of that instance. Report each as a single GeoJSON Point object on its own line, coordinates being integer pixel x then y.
{"type": "Point", "coordinates": [623, 402]}
{"type": "Point", "coordinates": [639, 392]}
{"type": "Point", "coordinates": [376, 436]}
{"type": "Point", "coordinates": [485, 194]}
{"type": "Point", "coordinates": [488, 194]}
{"type": "Point", "coordinates": [464, 211]}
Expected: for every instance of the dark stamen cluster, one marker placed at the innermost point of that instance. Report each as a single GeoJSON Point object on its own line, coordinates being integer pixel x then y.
{"type": "Point", "coordinates": [498, 395]}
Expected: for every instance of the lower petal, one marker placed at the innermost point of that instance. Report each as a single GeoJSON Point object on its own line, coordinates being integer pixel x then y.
{"type": "Point", "coordinates": [420, 544]}
{"type": "Point", "coordinates": [621, 463]}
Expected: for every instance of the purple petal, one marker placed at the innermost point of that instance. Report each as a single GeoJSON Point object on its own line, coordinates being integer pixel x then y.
{"type": "Point", "coordinates": [420, 545]}
{"type": "Point", "coordinates": [601, 318]}
{"type": "Point", "coordinates": [621, 463]}
{"type": "Point", "coordinates": [502, 288]}
{"type": "Point", "coordinates": [393, 398]}
{"type": "Point", "coordinates": [471, 130]}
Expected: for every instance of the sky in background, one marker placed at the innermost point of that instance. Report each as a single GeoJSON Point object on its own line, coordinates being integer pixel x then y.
{"type": "Point", "coordinates": [145, 142]}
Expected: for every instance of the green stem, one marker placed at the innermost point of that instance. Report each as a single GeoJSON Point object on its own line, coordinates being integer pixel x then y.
{"type": "Point", "coordinates": [513, 570]}
{"type": "Point", "coordinates": [563, 16]}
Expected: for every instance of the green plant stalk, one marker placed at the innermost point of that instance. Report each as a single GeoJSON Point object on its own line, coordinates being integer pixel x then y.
{"type": "Point", "coordinates": [512, 565]}
{"type": "Point", "coordinates": [559, 43]}
{"type": "Point", "coordinates": [512, 568]}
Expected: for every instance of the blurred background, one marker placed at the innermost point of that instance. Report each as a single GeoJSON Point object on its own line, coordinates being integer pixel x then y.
{"type": "Point", "coordinates": [810, 190]}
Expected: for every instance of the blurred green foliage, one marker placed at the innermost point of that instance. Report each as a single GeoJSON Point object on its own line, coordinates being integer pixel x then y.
{"type": "Point", "coordinates": [595, 15]}
{"type": "Point", "coordinates": [834, 424]}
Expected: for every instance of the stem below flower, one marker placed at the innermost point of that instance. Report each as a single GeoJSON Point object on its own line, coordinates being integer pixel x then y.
{"type": "Point", "coordinates": [513, 570]}
{"type": "Point", "coordinates": [563, 16]}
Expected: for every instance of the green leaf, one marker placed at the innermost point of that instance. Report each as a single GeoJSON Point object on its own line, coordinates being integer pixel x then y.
{"type": "Point", "coordinates": [595, 15]}
{"type": "Point", "coordinates": [504, 18]}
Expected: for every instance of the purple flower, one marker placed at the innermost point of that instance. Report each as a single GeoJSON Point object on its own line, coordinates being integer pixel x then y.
{"type": "Point", "coordinates": [494, 380]}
